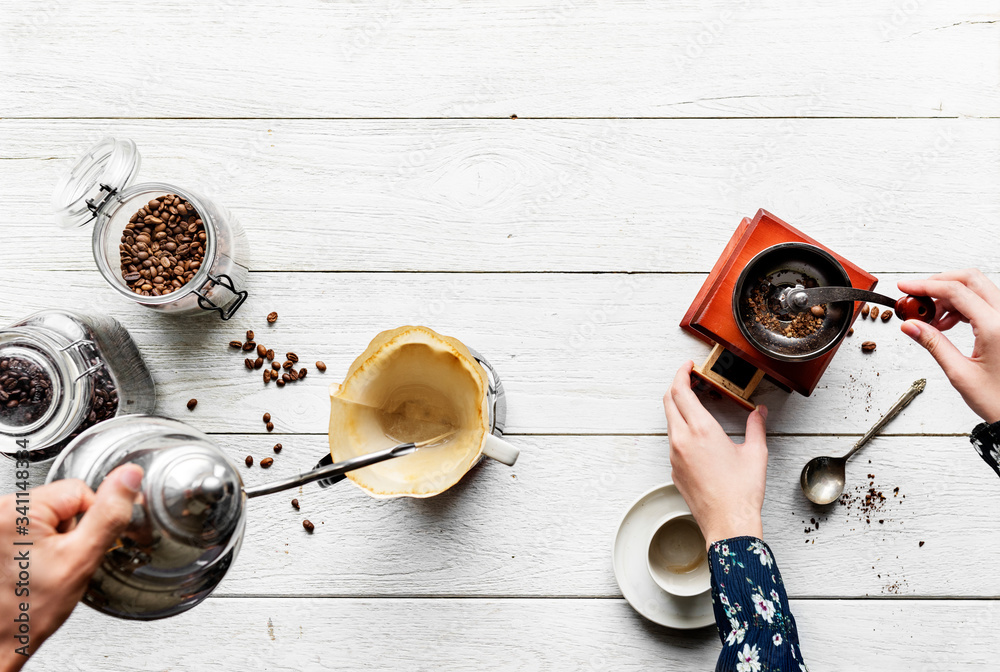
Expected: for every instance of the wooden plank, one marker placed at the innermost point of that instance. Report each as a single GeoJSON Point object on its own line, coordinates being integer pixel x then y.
{"type": "Point", "coordinates": [576, 353]}
{"type": "Point", "coordinates": [545, 527]}
{"type": "Point", "coordinates": [531, 57]}
{"type": "Point", "coordinates": [597, 195]}
{"type": "Point", "coordinates": [443, 634]}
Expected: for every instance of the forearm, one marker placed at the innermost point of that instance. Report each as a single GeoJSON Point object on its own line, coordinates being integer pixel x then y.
{"type": "Point", "coordinates": [751, 609]}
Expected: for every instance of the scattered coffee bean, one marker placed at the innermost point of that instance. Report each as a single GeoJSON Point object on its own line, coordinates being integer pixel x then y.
{"type": "Point", "coordinates": [235, 344]}
{"type": "Point", "coordinates": [291, 357]}
{"type": "Point", "coordinates": [850, 332]}
{"type": "Point", "coordinates": [285, 378]}
{"type": "Point", "coordinates": [248, 346]}
{"type": "Point", "coordinates": [191, 404]}
{"type": "Point", "coordinates": [309, 526]}
{"type": "Point", "coordinates": [162, 246]}
{"type": "Point", "coordinates": [261, 351]}
{"type": "Point", "coordinates": [249, 461]}
{"type": "Point", "coordinates": [270, 426]}
{"type": "Point", "coordinates": [270, 355]}
{"type": "Point", "coordinates": [292, 374]}
{"type": "Point", "coordinates": [921, 543]}
{"type": "Point", "coordinates": [249, 334]}
{"type": "Point", "coordinates": [287, 365]}
{"type": "Point", "coordinates": [280, 383]}
{"type": "Point", "coordinates": [865, 309]}
{"type": "Point", "coordinates": [886, 315]}
{"type": "Point", "coordinates": [818, 311]}
{"type": "Point", "coordinates": [267, 418]}
{"type": "Point", "coordinates": [272, 318]}
{"type": "Point", "coordinates": [874, 313]}
{"type": "Point", "coordinates": [277, 447]}
{"type": "Point", "coordinates": [257, 363]}
{"type": "Point", "coordinates": [266, 463]}
{"type": "Point", "coordinates": [302, 373]}
{"type": "Point", "coordinates": [295, 505]}
{"type": "Point", "coordinates": [321, 366]}
{"type": "Point", "coordinates": [868, 346]}
{"type": "Point", "coordinates": [276, 366]}
{"type": "Point", "coordinates": [248, 363]}
{"type": "Point", "coordinates": [267, 376]}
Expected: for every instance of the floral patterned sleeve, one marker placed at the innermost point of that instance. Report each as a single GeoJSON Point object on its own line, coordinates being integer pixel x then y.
{"type": "Point", "coordinates": [986, 440]}
{"type": "Point", "coordinates": [751, 609]}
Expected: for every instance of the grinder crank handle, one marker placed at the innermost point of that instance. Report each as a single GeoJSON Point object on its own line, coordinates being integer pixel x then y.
{"type": "Point", "coordinates": [799, 299]}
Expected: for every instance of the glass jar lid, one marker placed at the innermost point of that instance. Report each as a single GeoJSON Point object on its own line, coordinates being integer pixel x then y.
{"type": "Point", "coordinates": [102, 171]}
{"type": "Point", "coordinates": [37, 402]}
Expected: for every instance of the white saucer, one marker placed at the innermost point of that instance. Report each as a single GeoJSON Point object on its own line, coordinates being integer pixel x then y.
{"type": "Point", "coordinates": [629, 556]}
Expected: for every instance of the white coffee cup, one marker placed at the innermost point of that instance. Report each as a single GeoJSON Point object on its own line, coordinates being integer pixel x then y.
{"type": "Point", "coordinates": [676, 557]}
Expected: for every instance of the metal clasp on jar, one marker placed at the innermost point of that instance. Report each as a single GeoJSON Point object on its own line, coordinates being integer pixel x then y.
{"type": "Point", "coordinates": [225, 281]}
{"type": "Point", "coordinates": [93, 358]}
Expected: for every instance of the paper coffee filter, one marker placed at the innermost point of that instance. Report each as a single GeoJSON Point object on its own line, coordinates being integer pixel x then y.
{"type": "Point", "coordinates": [411, 384]}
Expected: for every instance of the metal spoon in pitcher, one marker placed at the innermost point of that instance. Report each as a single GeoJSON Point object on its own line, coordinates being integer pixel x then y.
{"type": "Point", "coordinates": [341, 468]}
{"type": "Point", "coordinates": [823, 478]}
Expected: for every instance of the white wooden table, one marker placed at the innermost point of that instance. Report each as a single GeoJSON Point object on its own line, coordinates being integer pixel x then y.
{"type": "Point", "coordinates": [371, 152]}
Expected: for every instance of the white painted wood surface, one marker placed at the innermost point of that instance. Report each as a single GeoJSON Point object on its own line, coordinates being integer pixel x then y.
{"type": "Point", "coordinates": [388, 635]}
{"type": "Point", "coordinates": [367, 148]}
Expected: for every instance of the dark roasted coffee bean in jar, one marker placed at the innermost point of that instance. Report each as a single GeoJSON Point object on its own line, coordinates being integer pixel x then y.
{"type": "Point", "coordinates": [159, 245]}
{"type": "Point", "coordinates": [162, 246]}
{"type": "Point", "coordinates": [62, 372]}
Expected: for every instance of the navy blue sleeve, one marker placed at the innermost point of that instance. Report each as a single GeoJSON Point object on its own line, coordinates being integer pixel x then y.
{"type": "Point", "coordinates": [751, 609]}
{"type": "Point", "coordinates": [986, 440]}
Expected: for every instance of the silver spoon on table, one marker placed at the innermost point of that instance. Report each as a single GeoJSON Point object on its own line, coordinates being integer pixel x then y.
{"type": "Point", "coordinates": [823, 478]}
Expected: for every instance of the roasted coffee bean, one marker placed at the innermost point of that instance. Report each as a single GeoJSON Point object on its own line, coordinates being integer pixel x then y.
{"type": "Point", "coordinates": [261, 350]}
{"type": "Point", "coordinates": [302, 373]}
{"type": "Point", "coordinates": [248, 346]}
{"type": "Point", "coordinates": [865, 310]}
{"type": "Point", "coordinates": [280, 383]}
{"type": "Point", "coordinates": [267, 418]}
{"type": "Point", "coordinates": [321, 366]}
{"type": "Point", "coordinates": [248, 363]}
{"type": "Point", "coordinates": [266, 463]}
{"type": "Point", "coordinates": [874, 313]}
{"type": "Point", "coordinates": [270, 426]}
{"type": "Point", "coordinates": [249, 334]}
{"type": "Point", "coordinates": [291, 357]}
{"type": "Point", "coordinates": [287, 365]}
{"type": "Point", "coordinates": [309, 526]}
{"type": "Point", "coordinates": [249, 461]}
{"type": "Point", "coordinates": [277, 447]}
{"type": "Point", "coordinates": [191, 404]}
{"type": "Point", "coordinates": [295, 505]}
{"type": "Point", "coordinates": [850, 332]}
{"type": "Point", "coordinates": [270, 355]}
{"type": "Point", "coordinates": [25, 392]}
{"type": "Point", "coordinates": [235, 344]}
{"type": "Point", "coordinates": [868, 346]}
{"type": "Point", "coordinates": [292, 374]}
{"type": "Point", "coordinates": [259, 362]}
{"type": "Point", "coordinates": [157, 254]}
{"type": "Point", "coordinates": [272, 317]}
{"type": "Point", "coordinates": [267, 376]}
{"type": "Point", "coordinates": [276, 366]}
{"type": "Point", "coordinates": [285, 378]}
{"type": "Point", "coordinates": [886, 315]}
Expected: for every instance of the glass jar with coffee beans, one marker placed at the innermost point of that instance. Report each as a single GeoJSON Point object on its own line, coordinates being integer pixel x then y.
{"type": "Point", "coordinates": [62, 372]}
{"type": "Point", "coordinates": [157, 244]}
